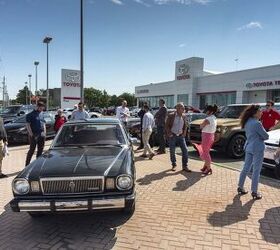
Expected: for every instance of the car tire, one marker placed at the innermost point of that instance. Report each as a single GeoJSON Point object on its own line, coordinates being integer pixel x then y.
{"type": "Point", "coordinates": [277, 171]}
{"type": "Point", "coordinates": [93, 116]}
{"type": "Point", "coordinates": [235, 147]}
{"type": "Point", "coordinates": [35, 214]}
{"type": "Point", "coordinates": [129, 210]}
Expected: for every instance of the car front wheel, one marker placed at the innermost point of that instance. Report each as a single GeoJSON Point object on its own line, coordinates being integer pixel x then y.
{"type": "Point", "coordinates": [236, 146]}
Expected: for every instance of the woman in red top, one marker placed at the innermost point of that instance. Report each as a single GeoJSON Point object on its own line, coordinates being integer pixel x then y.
{"type": "Point", "coordinates": [60, 119]}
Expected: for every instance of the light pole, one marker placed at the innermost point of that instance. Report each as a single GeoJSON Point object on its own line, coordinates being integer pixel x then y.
{"type": "Point", "coordinates": [26, 94]}
{"type": "Point", "coordinates": [47, 40]}
{"type": "Point", "coordinates": [82, 54]}
{"type": "Point", "coordinates": [29, 76]}
{"type": "Point", "coordinates": [36, 78]}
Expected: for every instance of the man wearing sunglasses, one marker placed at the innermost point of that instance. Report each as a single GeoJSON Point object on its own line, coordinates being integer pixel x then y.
{"type": "Point", "coordinates": [270, 116]}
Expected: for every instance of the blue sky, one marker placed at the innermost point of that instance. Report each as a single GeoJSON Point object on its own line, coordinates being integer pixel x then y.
{"type": "Point", "coordinates": [134, 42]}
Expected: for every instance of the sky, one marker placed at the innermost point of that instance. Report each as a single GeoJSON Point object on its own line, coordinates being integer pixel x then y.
{"type": "Point", "coordinates": [134, 42]}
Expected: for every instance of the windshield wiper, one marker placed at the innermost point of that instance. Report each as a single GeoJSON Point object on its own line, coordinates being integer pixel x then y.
{"type": "Point", "coordinates": [104, 144]}
{"type": "Point", "coordinates": [70, 145]}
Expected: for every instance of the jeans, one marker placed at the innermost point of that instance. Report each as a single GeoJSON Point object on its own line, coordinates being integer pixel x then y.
{"type": "Point", "coordinates": [254, 160]}
{"type": "Point", "coordinates": [161, 138]}
{"type": "Point", "coordinates": [180, 140]}
{"type": "Point", "coordinates": [38, 141]}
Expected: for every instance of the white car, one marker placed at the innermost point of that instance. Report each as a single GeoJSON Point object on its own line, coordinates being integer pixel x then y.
{"type": "Point", "coordinates": [94, 115]}
{"type": "Point", "coordinates": [271, 146]}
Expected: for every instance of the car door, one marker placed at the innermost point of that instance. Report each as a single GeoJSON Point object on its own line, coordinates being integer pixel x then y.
{"type": "Point", "coordinates": [49, 120]}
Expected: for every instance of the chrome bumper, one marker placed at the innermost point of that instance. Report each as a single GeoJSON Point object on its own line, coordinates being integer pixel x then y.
{"type": "Point", "coordinates": [77, 205]}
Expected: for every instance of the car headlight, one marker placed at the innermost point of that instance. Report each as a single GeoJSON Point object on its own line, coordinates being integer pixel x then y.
{"type": "Point", "coordinates": [124, 182]}
{"type": "Point", "coordinates": [21, 186]}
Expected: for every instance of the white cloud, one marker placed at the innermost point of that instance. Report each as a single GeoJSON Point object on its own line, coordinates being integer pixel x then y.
{"type": "Point", "coordinates": [251, 25]}
{"type": "Point", "coordinates": [142, 3]}
{"type": "Point", "coordinates": [184, 2]}
{"type": "Point", "coordinates": [182, 45]}
{"type": "Point", "coordinates": [118, 2]}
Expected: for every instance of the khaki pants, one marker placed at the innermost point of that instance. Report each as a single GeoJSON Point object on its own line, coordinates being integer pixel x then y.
{"type": "Point", "coordinates": [1, 154]}
{"type": "Point", "coordinates": [146, 136]}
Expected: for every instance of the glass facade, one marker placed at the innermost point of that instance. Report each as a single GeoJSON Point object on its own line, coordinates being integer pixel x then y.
{"type": "Point", "coordinates": [221, 99]}
{"type": "Point", "coordinates": [183, 98]}
{"type": "Point", "coordinates": [153, 101]}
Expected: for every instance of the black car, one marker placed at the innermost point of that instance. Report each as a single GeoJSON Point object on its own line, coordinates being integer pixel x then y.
{"type": "Point", "coordinates": [89, 167]}
{"type": "Point", "coordinates": [17, 132]}
{"type": "Point", "coordinates": [14, 111]}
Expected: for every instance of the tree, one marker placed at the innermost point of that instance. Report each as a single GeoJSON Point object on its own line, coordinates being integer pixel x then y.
{"type": "Point", "coordinates": [105, 99]}
{"type": "Point", "coordinates": [113, 100]}
{"type": "Point", "coordinates": [130, 98]}
{"type": "Point", "coordinates": [23, 96]}
{"type": "Point", "coordinates": [92, 97]}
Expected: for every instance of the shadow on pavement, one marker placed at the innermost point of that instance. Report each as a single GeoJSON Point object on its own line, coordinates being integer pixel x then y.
{"type": "Point", "coordinates": [270, 225]}
{"type": "Point", "coordinates": [60, 231]}
{"type": "Point", "coordinates": [191, 179]}
{"type": "Point", "coordinates": [233, 213]}
{"type": "Point", "coordinates": [148, 179]}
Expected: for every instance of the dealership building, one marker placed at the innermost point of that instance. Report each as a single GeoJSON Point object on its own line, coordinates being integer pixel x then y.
{"type": "Point", "coordinates": [198, 87]}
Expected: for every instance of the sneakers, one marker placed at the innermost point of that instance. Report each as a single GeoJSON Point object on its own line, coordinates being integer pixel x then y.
{"type": "Point", "coordinates": [3, 176]}
{"type": "Point", "coordinates": [174, 165]}
{"type": "Point", "coordinates": [151, 156]}
{"type": "Point", "coordinates": [186, 169]}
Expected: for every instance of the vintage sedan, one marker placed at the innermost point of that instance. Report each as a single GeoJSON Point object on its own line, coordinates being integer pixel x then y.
{"type": "Point", "coordinates": [89, 166]}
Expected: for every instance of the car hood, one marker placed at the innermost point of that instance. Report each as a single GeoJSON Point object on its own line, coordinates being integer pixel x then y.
{"type": "Point", "coordinates": [90, 161]}
{"type": "Point", "coordinates": [274, 137]}
{"type": "Point", "coordinates": [221, 122]}
{"type": "Point", "coordinates": [13, 126]}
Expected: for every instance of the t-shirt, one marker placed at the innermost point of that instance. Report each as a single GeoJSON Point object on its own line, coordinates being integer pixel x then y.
{"type": "Point", "coordinates": [122, 113]}
{"type": "Point", "coordinates": [36, 121]}
{"type": "Point", "coordinates": [148, 121]}
{"type": "Point", "coordinates": [79, 115]}
{"type": "Point", "coordinates": [269, 117]}
{"type": "Point", "coordinates": [212, 126]}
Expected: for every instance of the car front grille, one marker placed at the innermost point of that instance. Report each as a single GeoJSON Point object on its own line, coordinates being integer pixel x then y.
{"type": "Point", "coordinates": [72, 185]}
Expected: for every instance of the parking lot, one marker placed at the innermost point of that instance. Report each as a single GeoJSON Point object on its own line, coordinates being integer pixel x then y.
{"type": "Point", "coordinates": [175, 210]}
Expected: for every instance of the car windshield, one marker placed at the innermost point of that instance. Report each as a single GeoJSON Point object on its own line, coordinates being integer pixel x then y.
{"type": "Point", "coordinates": [231, 112]}
{"type": "Point", "coordinates": [21, 119]}
{"type": "Point", "coordinates": [90, 135]}
{"type": "Point", "coordinates": [11, 110]}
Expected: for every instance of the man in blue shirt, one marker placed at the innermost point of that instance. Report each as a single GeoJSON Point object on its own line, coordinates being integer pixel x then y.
{"type": "Point", "coordinates": [36, 128]}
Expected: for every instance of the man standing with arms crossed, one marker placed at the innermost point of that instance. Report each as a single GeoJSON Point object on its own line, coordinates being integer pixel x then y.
{"type": "Point", "coordinates": [80, 113]}
{"type": "Point", "coordinates": [270, 116]}
{"type": "Point", "coordinates": [122, 112]}
{"type": "Point", "coordinates": [160, 117]}
{"type": "Point", "coordinates": [36, 128]}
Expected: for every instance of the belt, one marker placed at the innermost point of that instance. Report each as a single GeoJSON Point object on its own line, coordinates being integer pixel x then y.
{"type": "Point", "coordinates": [177, 134]}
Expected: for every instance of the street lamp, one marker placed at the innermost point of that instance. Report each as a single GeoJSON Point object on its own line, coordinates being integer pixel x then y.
{"type": "Point", "coordinates": [47, 40]}
{"type": "Point", "coordinates": [29, 76]}
{"type": "Point", "coordinates": [36, 78]}
{"type": "Point", "coordinates": [26, 88]}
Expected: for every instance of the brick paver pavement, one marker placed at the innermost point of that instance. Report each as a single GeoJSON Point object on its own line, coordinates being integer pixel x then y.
{"type": "Point", "coordinates": [175, 210]}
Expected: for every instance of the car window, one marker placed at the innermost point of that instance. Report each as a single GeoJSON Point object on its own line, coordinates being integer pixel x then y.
{"type": "Point", "coordinates": [90, 134]}
{"type": "Point", "coordinates": [231, 112]}
{"type": "Point", "coordinates": [11, 110]}
{"type": "Point", "coordinates": [22, 119]}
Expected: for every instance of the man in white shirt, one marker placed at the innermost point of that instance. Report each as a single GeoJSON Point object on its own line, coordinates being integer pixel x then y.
{"type": "Point", "coordinates": [122, 112]}
{"type": "Point", "coordinates": [147, 129]}
{"type": "Point", "coordinates": [80, 113]}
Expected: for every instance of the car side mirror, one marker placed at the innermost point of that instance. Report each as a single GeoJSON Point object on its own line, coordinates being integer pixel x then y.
{"type": "Point", "coordinates": [133, 140]}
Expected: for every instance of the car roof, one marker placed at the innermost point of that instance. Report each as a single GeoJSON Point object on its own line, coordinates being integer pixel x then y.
{"type": "Point", "coordinates": [96, 121]}
{"type": "Point", "coordinates": [247, 104]}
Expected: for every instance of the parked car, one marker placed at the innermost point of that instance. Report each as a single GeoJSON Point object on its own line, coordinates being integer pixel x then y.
{"type": "Point", "coordinates": [93, 114]}
{"type": "Point", "coordinates": [229, 136]}
{"type": "Point", "coordinates": [68, 112]}
{"type": "Point", "coordinates": [17, 132]}
{"type": "Point", "coordinates": [191, 109]}
{"type": "Point", "coordinates": [96, 110]}
{"type": "Point", "coordinates": [89, 167]}
{"type": "Point", "coordinates": [271, 146]}
{"type": "Point", "coordinates": [14, 111]}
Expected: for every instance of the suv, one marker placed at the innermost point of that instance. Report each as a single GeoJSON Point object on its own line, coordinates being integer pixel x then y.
{"type": "Point", "coordinates": [13, 111]}
{"type": "Point", "coordinates": [229, 136]}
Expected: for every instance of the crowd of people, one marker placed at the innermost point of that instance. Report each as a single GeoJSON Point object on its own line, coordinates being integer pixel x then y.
{"type": "Point", "coordinates": [171, 128]}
